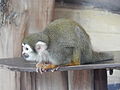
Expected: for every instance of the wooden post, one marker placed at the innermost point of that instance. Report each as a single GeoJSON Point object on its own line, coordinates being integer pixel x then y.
{"type": "Point", "coordinates": [52, 81]}
{"type": "Point", "coordinates": [17, 19]}
{"type": "Point", "coordinates": [81, 80]}
{"type": "Point", "coordinates": [13, 24]}
{"type": "Point", "coordinates": [100, 79]}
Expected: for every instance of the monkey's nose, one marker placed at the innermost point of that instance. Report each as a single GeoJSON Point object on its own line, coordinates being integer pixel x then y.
{"type": "Point", "coordinates": [25, 55]}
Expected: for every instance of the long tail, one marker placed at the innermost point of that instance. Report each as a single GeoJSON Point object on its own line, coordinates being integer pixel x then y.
{"type": "Point", "coordinates": [102, 56]}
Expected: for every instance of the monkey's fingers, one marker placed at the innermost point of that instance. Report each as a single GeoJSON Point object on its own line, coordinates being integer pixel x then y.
{"type": "Point", "coordinates": [39, 68]}
{"type": "Point", "coordinates": [45, 67]}
{"type": "Point", "coordinates": [55, 69]}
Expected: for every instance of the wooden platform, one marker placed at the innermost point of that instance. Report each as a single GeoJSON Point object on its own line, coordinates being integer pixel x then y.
{"type": "Point", "coordinates": [81, 77]}
{"type": "Point", "coordinates": [19, 64]}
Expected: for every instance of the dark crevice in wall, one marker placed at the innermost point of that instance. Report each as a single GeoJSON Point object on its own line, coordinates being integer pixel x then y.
{"type": "Point", "coordinates": [109, 5]}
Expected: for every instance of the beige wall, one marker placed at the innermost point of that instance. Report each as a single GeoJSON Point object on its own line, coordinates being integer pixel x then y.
{"type": "Point", "coordinates": [102, 26]}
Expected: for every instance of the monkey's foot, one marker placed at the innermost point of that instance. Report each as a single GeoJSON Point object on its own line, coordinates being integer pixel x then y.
{"type": "Point", "coordinates": [45, 67]}
{"type": "Point", "coordinates": [72, 63]}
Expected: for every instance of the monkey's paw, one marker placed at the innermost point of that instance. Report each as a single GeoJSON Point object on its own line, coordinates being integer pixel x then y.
{"type": "Point", "coordinates": [45, 67]}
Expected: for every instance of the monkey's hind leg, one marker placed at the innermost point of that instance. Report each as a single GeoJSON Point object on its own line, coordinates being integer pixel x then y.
{"type": "Point", "coordinates": [76, 57]}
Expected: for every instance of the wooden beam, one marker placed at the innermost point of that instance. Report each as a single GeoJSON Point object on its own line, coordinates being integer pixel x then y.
{"type": "Point", "coordinates": [52, 81]}
{"type": "Point", "coordinates": [100, 77]}
{"type": "Point", "coordinates": [19, 64]}
{"type": "Point", "coordinates": [81, 80]}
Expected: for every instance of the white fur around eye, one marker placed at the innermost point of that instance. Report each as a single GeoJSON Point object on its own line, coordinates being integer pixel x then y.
{"type": "Point", "coordinates": [30, 52]}
{"type": "Point", "coordinates": [26, 49]}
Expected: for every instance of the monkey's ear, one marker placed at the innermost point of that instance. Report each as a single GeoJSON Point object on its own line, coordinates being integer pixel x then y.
{"type": "Point", "coordinates": [23, 45]}
{"type": "Point", "coordinates": [40, 46]}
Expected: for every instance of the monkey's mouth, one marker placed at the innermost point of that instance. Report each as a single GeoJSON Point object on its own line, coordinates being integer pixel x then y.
{"type": "Point", "coordinates": [25, 55]}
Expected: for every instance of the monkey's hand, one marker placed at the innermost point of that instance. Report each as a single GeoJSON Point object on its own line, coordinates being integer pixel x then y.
{"type": "Point", "coordinates": [45, 67]}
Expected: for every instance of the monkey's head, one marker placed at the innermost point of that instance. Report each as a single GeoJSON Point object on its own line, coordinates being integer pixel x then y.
{"type": "Point", "coordinates": [33, 45]}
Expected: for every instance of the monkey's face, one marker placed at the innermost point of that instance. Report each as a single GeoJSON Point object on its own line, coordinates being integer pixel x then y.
{"type": "Point", "coordinates": [34, 55]}
{"type": "Point", "coordinates": [28, 53]}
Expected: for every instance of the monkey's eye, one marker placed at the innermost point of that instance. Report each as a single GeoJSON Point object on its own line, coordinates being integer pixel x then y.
{"type": "Point", "coordinates": [26, 48]}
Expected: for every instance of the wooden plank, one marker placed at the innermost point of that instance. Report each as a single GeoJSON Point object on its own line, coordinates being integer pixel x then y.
{"type": "Point", "coordinates": [40, 14]}
{"type": "Point", "coordinates": [27, 81]}
{"type": "Point", "coordinates": [9, 80]}
{"type": "Point", "coordinates": [52, 81]}
{"type": "Point", "coordinates": [100, 77]}
{"type": "Point", "coordinates": [81, 80]}
{"type": "Point", "coordinates": [19, 64]}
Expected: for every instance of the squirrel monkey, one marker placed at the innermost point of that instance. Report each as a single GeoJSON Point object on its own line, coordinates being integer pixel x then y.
{"type": "Point", "coordinates": [63, 42]}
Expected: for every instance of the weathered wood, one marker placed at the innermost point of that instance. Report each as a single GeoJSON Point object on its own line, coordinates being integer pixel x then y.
{"type": "Point", "coordinates": [41, 13]}
{"type": "Point", "coordinates": [19, 64]}
{"type": "Point", "coordinates": [27, 81]}
{"type": "Point", "coordinates": [9, 80]}
{"type": "Point", "coordinates": [81, 80]}
{"type": "Point", "coordinates": [52, 81]}
{"type": "Point", "coordinates": [18, 18]}
{"type": "Point", "coordinates": [100, 77]}
{"type": "Point", "coordinates": [12, 29]}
